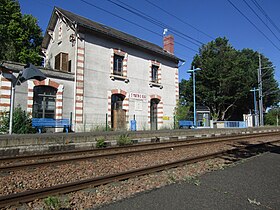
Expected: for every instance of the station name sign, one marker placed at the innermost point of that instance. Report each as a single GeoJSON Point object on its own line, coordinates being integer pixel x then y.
{"type": "Point", "coordinates": [138, 96]}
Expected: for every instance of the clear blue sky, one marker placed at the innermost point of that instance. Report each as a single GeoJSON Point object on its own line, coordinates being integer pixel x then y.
{"type": "Point", "coordinates": [215, 18]}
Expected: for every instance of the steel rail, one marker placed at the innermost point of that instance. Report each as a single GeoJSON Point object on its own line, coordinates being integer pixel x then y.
{"type": "Point", "coordinates": [72, 152]}
{"type": "Point", "coordinates": [160, 147]}
{"type": "Point", "coordinates": [31, 195]}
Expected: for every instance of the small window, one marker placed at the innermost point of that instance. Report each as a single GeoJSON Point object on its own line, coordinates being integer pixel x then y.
{"type": "Point", "coordinates": [154, 74]}
{"type": "Point", "coordinates": [118, 65]}
{"type": "Point", "coordinates": [61, 62]}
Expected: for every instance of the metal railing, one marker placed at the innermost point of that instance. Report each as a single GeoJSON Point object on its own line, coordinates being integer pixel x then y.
{"type": "Point", "coordinates": [230, 124]}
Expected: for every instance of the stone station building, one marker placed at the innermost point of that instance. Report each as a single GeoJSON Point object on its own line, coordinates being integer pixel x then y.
{"type": "Point", "coordinates": [100, 76]}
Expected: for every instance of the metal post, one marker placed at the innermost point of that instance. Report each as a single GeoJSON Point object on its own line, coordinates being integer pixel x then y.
{"type": "Point", "coordinates": [12, 99]}
{"type": "Point", "coordinates": [255, 107]}
{"type": "Point", "coordinates": [71, 115]}
{"type": "Point", "coordinates": [174, 121]}
{"type": "Point", "coordinates": [106, 122]}
{"type": "Point", "coordinates": [260, 91]}
{"type": "Point", "coordinates": [194, 102]}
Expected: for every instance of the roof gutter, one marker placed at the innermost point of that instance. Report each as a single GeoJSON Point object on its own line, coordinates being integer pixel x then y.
{"type": "Point", "coordinates": [129, 42]}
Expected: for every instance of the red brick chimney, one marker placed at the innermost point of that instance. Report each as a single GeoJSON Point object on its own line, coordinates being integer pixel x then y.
{"type": "Point", "coordinates": [168, 43]}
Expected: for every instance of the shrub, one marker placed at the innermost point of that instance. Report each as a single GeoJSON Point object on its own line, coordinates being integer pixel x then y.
{"type": "Point", "coordinates": [52, 202]}
{"type": "Point", "coordinates": [182, 112]}
{"type": "Point", "coordinates": [22, 122]}
{"type": "Point", "coordinates": [100, 143]}
{"type": "Point", "coordinates": [123, 140]}
{"type": "Point", "coordinates": [272, 116]}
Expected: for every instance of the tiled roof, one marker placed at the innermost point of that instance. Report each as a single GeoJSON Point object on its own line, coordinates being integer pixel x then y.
{"type": "Point", "coordinates": [106, 31]}
{"type": "Point", "coordinates": [52, 73]}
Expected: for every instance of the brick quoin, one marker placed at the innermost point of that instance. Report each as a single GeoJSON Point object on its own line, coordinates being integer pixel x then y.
{"type": "Point", "coordinates": [6, 87]}
{"type": "Point", "coordinates": [115, 91]}
{"type": "Point", "coordinates": [155, 96]}
{"type": "Point", "coordinates": [118, 91]}
{"type": "Point", "coordinates": [4, 105]}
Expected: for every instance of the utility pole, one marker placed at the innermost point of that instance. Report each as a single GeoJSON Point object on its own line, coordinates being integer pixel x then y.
{"type": "Point", "coordinates": [260, 91]}
{"type": "Point", "coordinates": [255, 108]}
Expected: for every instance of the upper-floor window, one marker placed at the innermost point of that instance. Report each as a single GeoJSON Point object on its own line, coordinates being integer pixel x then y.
{"type": "Point", "coordinates": [118, 65]}
{"type": "Point", "coordinates": [154, 74]}
{"type": "Point", "coordinates": [62, 63]}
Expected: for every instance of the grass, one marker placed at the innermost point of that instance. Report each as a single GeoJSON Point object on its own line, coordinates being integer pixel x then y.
{"type": "Point", "coordinates": [124, 140]}
{"type": "Point", "coordinates": [193, 180]}
{"type": "Point", "coordinates": [100, 143]}
{"type": "Point", "coordinates": [52, 202]}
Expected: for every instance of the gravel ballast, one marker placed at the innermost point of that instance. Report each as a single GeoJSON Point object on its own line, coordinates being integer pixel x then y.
{"type": "Point", "coordinates": [46, 176]}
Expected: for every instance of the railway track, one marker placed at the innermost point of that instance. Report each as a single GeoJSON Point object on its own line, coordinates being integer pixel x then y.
{"type": "Point", "coordinates": [31, 195]}
{"type": "Point", "coordinates": [174, 141]}
{"type": "Point", "coordinates": [110, 152]}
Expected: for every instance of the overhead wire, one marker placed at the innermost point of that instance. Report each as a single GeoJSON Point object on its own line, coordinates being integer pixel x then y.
{"type": "Point", "coordinates": [253, 24]}
{"type": "Point", "coordinates": [133, 23]}
{"type": "Point", "coordinates": [155, 21]}
{"type": "Point", "coordinates": [179, 19]}
{"type": "Point", "coordinates": [261, 19]}
{"type": "Point", "coordinates": [265, 14]}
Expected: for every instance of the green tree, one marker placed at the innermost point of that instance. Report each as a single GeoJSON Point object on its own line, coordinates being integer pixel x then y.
{"type": "Point", "coordinates": [272, 116]}
{"type": "Point", "coordinates": [182, 111]}
{"type": "Point", "coordinates": [20, 35]}
{"type": "Point", "coordinates": [249, 62]}
{"type": "Point", "coordinates": [221, 81]}
{"type": "Point", "coordinates": [21, 122]}
{"type": "Point", "coordinates": [227, 75]}
{"type": "Point", "coordinates": [183, 108]}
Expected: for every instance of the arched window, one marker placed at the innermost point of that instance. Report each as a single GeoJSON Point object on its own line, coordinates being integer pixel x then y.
{"type": "Point", "coordinates": [44, 101]}
{"type": "Point", "coordinates": [117, 101]}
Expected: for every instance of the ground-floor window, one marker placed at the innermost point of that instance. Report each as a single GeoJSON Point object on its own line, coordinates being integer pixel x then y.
{"type": "Point", "coordinates": [44, 101]}
{"type": "Point", "coordinates": [153, 113]}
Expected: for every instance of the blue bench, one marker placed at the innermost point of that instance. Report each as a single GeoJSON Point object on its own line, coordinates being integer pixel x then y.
{"type": "Point", "coordinates": [185, 124]}
{"type": "Point", "coordinates": [40, 123]}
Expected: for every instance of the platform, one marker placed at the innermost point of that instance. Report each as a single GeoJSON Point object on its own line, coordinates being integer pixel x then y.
{"type": "Point", "coordinates": [251, 184]}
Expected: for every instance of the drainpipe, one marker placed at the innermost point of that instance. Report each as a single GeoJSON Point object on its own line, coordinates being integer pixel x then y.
{"type": "Point", "coordinates": [75, 81]}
